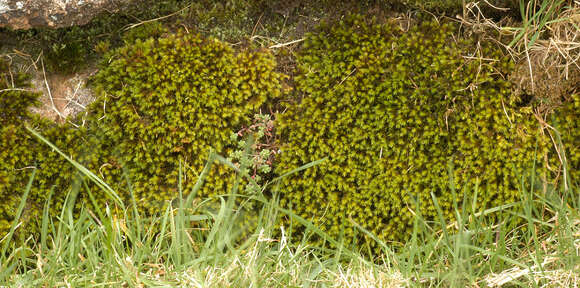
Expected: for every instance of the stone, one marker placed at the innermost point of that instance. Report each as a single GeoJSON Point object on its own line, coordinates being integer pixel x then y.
{"type": "Point", "coordinates": [26, 14]}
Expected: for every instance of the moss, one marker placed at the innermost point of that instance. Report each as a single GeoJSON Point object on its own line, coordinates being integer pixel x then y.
{"type": "Point", "coordinates": [566, 120]}
{"type": "Point", "coordinates": [391, 110]}
{"type": "Point", "coordinates": [173, 99]}
{"type": "Point", "coordinates": [13, 110]}
{"type": "Point", "coordinates": [20, 153]}
{"type": "Point", "coordinates": [15, 97]}
{"type": "Point", "coordinates": [166, 100]}
{"type": "Point", "coordinates": [144, 31]}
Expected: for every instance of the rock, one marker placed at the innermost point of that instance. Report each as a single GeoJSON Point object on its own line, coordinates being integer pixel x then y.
{"type": "Point", "coordinates": [26, 14]}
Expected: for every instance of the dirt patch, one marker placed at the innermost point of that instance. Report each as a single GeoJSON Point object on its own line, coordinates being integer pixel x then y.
{"type": "Point", "coordinates": [548, 84]}
{"type": "Point", "coordinates": [63, 96]}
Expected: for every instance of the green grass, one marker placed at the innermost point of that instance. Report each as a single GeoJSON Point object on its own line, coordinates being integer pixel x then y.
{"type": "Point", "coordinates": [192, 245]}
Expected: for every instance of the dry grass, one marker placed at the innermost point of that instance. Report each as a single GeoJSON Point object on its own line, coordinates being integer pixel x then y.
{"type": "Point", "coordinates": [545, 47]}
{"type": "Point", "coordinates": [555, 269]}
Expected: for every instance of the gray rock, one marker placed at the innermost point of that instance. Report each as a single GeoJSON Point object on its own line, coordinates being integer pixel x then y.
{"type": "Point", "coordinates": [26, 14]}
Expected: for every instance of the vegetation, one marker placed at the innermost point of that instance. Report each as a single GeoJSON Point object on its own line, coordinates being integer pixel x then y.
{"type": "Point", "coordinates": [377, 151]}
{"type": "Point", "coordinates": [176, 98]}
{"type": "Point", "coordinates": [13, 103]}
{"type": "Point", "coordinates": [100, 248]}
{"type": "Point", "coordinates": [392, 110]}
{"type": "Point", "coordinates": [568, 133]}
{"type": "Point", "coordinates": [162, 100]}
{"type": "Point", "coordinates": [20, 152]}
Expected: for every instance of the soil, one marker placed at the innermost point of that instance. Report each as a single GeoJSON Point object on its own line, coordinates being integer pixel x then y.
{"type": "Point", "coordinates": [69, 93]}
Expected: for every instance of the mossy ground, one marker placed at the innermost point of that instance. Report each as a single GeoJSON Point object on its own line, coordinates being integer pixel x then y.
{"type": "Point", "coordinates": [249, 25]}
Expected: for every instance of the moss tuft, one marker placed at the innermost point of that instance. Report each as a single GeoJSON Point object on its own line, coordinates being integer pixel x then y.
{"type": "Point", "coordinates": [391, 110]}
{"type": "Point", "coordinates": [176, 98]}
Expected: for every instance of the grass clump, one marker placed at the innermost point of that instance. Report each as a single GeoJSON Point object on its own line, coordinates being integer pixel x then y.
{"type": "Point", "coordinates": [392, 109]}
{"type": "Point", "coordinates": [120, 246]}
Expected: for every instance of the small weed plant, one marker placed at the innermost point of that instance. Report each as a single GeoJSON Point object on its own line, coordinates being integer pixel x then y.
{"type": "Point", "coordinates": [255, 151]}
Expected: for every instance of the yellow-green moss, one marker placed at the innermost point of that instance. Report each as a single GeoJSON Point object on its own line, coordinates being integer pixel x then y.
{"type": "Point", "coordinates": [13, 105]}
{"type": "Point", "coordinates": [390, 109]}
{"type": "Point", "coordinates": [159, 101]}
{"type": "Point", "coordinates": [20, 153]}
{"type": "Point", "coordinates": [15, 96]}
{"type": "Point", "coordinates": [567, 122]}
{"type": "Point", "coordinates": [176, 98]}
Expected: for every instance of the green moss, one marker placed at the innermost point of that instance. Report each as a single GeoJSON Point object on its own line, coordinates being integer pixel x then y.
{"type": "Point", "coordinates": [20, 153]}
{"type": "Point", "coordinates": [176, 98]}
{"type": "Point", "coordinates": [161, 101]}
{"type": "Point", "coordinates": [144, 31]}
{"type": "Point", "coordinates": [14, 95]}
{"type": "Point", "coordinates": [567, 122]}
{"type": "Point", "coordinates": [390, 110]}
